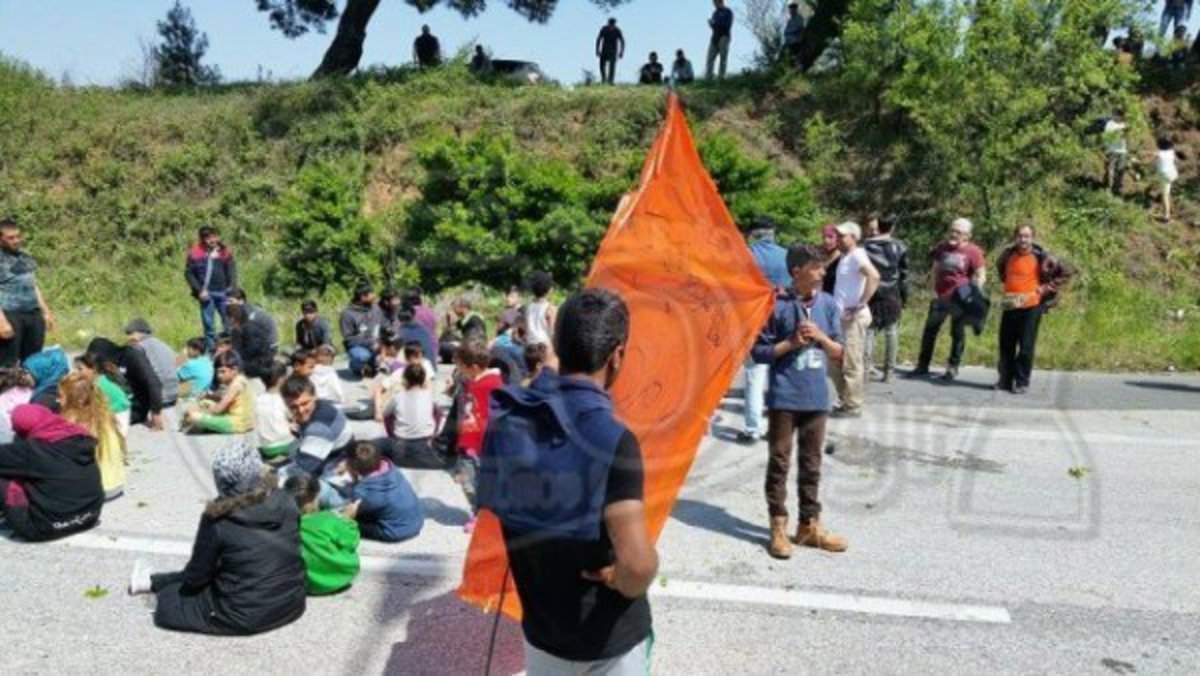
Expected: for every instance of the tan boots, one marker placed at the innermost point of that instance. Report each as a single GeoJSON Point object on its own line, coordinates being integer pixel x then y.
{"type": "Point", "coordinates": [811, 534]}
{"type": "Point", "coordinates": [779, 546]}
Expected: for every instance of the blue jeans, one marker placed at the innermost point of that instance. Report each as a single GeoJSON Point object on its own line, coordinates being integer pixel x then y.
{"type": "Point", "coordinates": [1178, 15]}
{"type": "Point", "coordinates": [215, 305]}
{"type": "Point", "coordinates": [756, 390]}
{"type": "Point", "coordinates": [360, 357]}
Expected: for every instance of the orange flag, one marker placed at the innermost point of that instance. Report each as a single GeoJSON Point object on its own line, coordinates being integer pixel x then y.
{"type": "Point", "coordinates": [697, 300]}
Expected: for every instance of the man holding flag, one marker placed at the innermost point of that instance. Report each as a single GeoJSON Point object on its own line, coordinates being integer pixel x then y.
{"type": "Point", "coordinates": [565, 478]}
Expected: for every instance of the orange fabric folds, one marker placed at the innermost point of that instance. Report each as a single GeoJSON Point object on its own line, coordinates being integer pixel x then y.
{"type": "Point", "coordinates": [697, 301]}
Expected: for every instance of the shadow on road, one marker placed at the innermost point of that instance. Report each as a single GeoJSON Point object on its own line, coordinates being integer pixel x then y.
{"type": "Point", "coordinates": [446, 515]}
{"type": "Point", "coordinates": [718, 520]}
{"type": "Point", "coordinates": [446, 636]}
{"type": "Point", "coordinates": [1168, 387]}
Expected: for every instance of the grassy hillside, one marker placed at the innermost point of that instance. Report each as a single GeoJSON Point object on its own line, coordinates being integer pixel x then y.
{"type": "Point", "coordinates": [111, 185]}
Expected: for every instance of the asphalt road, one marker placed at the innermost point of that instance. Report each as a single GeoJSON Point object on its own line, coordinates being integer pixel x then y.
{"type": "Point", "coordinates": [974, 548]}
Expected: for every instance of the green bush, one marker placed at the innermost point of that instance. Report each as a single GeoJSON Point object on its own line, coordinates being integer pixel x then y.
{"type": "Point", "coordinates": [326, 242]}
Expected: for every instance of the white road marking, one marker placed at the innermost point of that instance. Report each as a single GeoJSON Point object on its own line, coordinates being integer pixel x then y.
{"type": "Point", "coordinates": [445, 568]}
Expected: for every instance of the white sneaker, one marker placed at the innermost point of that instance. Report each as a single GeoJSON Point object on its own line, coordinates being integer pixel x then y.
{"type": "Point", "coordinates": [139, 579]}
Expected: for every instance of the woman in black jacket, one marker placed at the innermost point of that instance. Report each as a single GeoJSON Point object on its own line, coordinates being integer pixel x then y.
{"type": "Point", "coordinates": [49, 481]}
{"type": "Point", "coordinates": [139, 377]}
{"type": "Point", "coordinates": [245, 575]}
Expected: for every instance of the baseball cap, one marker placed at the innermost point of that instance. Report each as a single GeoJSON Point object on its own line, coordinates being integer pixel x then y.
{"type": "Point", "coordinates": [850, 228]}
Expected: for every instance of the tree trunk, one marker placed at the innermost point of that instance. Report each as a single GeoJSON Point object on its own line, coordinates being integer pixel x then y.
{"type": "Point", "coordinates": [346, 50]}
{"type": "Point", "coordinates": [825, 25]}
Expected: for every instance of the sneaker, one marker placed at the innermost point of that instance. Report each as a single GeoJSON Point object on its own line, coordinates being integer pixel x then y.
{"type": "Point", "coordinates": [811, 534]}
{"type": "Point", "coordinates": [469, 526]}
{"type": "Point", "coordinates": [887, 376]}
{"type": "Point", "coordinates": [779, 547]}
{"type": "Point", "coordinates": [747, 438]}
{"type": "Point", "coordinates": [1000, 387]}
{"type": "Point", "coordinates": [139, 579]}
{"type": "Point", "coordinates": [951, 373]}
{"type": "Point", "coordinates": [1019, 389]}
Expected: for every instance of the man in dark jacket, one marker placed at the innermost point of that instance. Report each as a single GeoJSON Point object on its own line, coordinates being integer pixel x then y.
{"type": "Point", "coordinates": [721, 24]}
{"type": "Point", "coordinates": [210, 271]}
{"type": "Point", "coordinates": [610, 47]}
{"type": "Point", "coordinates": [1032, 279]}
{"type": "Point", "coordinates": [408, 330]}
{"type": "Point", "coordinates": [255, 314]}
{"type": "Point", "coordinates": [139, 375]}
{"type": "Point", "coordinates": [251, 342]}
{"type": "Point", "coordinates": [652, 71]}
{"type": "Point", "coordinates": [890, 257]}
{"type": "Point", "coordinates": [427, 51]}
{"type": "Point", "coordinates": [312, 331]}
{"type": "Point", "coordinates": [245, 575]}
{"type": "Point", "coordinates": [360, 324]}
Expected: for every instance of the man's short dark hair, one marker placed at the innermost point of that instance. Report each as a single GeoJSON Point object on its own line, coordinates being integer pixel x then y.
{"type": "Point", "coordinates": [887, 223]}
{"type": "Point", "coordinates": [237, 293]}
{"type": "Point", "coordinates": [206, 231]}
{"type": "Point", "coordinates": [308, 306]}
{"type": "Point", "coordinates": [413, 349]}
{"type": "Point", "coordinates": [296, 386]}
{"type": "Point", "coordinates": [405, 314]}
{"type": "Point", "coordinates": [540, 283]}
{"type": "Point", "coordinates": [300, 356]}
{"type": "Point", "coordinates": [591, 325]}
{"type": "Point", "coordinates": [364, 459]}
{"type": "Point", "coordinates": [9, 223]}
{"type": "Point", "coordinates": [411, 296]}
{"type": "Point", "coordinates": [389, 293]}
{"type": "Point", "coordinates": [361, 290]}
{"type": "Point", "coordinates": [802, 255]}
{"type": "Point", "coordinates": [275, 374]}
{"type": "Point", "coordinates": [473, 353]}
{"type": "Point", "coordinates": [196, 344]}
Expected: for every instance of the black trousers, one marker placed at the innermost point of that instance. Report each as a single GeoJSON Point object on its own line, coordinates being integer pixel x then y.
{"type": "Point", "coordinates": [939, 310]}
{"type": "Point", "coordinates": [1018, 338]}
{"type": "Point", "coordinates": [29, 336]}
{"type": "Point", "coordinates": [608, 69]}
{"type": "Point", "coordinates": [178, 611]}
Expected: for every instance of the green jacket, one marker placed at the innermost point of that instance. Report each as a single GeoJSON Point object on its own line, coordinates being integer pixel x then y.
{"type": "Point", "coordinates": [118, 399]}
{"type": "Point", "coordinates": [329, 547]}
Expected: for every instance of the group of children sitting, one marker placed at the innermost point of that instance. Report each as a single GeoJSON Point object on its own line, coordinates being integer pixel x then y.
{"type": "Point", "coordinates": [296, 493]}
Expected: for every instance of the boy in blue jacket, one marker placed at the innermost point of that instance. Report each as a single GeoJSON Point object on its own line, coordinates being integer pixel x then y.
{"type": "Point", "coordinates": [385, 505]}
{"type": "Point", "coordinates": [802, 336]}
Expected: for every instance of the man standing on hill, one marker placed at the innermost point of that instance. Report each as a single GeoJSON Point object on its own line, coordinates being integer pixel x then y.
{"type": "Point", "coordinates": [956, 262]}
{"type": "Point", "coordinates": [1032, 279]}
{"type": "Point", "coordinates": [793, 33]}
{"type": "Point", "coordinates": [427, 51]}
{"type": "Point", "coordinates": [24, 315]}
{"type": "Point", "coordinates": [610, 47]}
{"type": "Point", "coordinates": [857, 280]}
{"type": "Point", "coordinates": [718, 45]}
{"type": "Point", "coordinates": [211, 272]}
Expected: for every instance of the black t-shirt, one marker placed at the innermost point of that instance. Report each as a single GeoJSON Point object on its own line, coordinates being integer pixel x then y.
{"type": "Point", "coordinates": [652, 73]}
{"type": "Point", "coordinates": [566, 615]}
{"type": "Point", "coordinates": [610, 40]}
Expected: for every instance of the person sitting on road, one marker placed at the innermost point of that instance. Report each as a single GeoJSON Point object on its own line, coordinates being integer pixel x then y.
{"type": "Point", "coordinates": [160, 355]}
{"type": "Point", "coordinates": [245, 575]}
{"type": "Point", "coordinates": [84, 404]}
{"type": "Point", "coordinates": [271, 422]}
{"type": "Point", "coordinates": [228, 410]}
{"type": "Point", "coordinates": [408, 415]}
{"type": "Point", "coordinates": [651, 72]}
{"type": "Point", "coordinates": [251, 342]}
{"type": "Point", "coordinates": [360, 324]}
{"type": "Point", "coordinates": [325, 377]}
{"type": "Point", "coordinates": [384, 505]}
{"type": "Point", "coordinates": [145, 388]}
{"type": "Point", "coordinates": [196, 374]}
{"type": "Point", "coordinates": [16, 388]}
{"type": "Point", "coordinates": [112, 384]}
{"type": "Point", "coordinates": [328, 539]}
{"type": "Point", "coordinates": [325, 437]}
{"type": "Point", "coordinates": [47, 368]}
{"type": "Point", "coordinates": [50, 484]}
{"type": "Point", "coordinates": [312, 331]}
